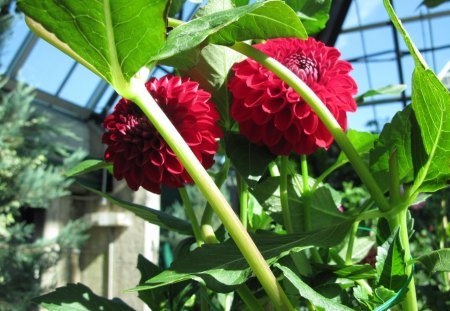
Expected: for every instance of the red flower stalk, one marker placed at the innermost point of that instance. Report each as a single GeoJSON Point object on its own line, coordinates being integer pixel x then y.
{"type": "Point", "coordinates": [140, 154]}
{"type": "Point", "coordinates": [271, 113]}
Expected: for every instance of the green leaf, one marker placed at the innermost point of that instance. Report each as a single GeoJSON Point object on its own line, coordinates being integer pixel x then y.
{"type": "Point", "coordinates": [390, 263]}
{"type": "Point", "coordinates": [309, 293]}
{"type": "Point", "coordinates": [222, 268]}
{"type": "Point", "coordinates": [433, 3]}
{"type": "Point", "coordinates": [213, 67]}
{"type": "Point", "coordinates": [323, 210]}
{"type": "Point", "coordinates": [88, 166]}
{"type": "Point", "coordinates": [356, 272]}
{"type": "Point", "coordinates": [313, 13]}
{"type": "Point", "coordinates": [260, 20]}
{"type": "Point", "coordinates": [154, 297]}
{"type": "Point", "coordinates": [361, 248]}
{"type": "Point", "coordinates": [153, 216]}
{"type": "Point", "coordinates": [430, 101]}
{"type": "Point", "coordinates": [387, 90]}
{"type": "Point", "coordinates": [396, 136]}
{"type": "Point", "coordinates": [79, 297]}
{"type": "Point", "coordinates": [436, 261]}
{"type": "Point", "coordinates": [431, 104]}
{"type": "Point", "coordinates": [249, 160]}
{"type": "Point", "coordinates": [113, 38]}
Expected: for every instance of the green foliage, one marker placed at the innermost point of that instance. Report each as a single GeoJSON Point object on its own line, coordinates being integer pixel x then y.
{"type": "Point", "coordinates": [436, 261]}
{"type": "Point", "coordinates": [309, 293]}
{"type": "Point", "coordinates": [79, 297]}
{"type": "Point", "coordinates": [387, 90]}
{"type": "Point", "coordinates": [226, 269]}
{"type": "Point", "coordinates": [250, 160]}
{"type": "Point", "coordinates": [98, 34]}
{"type": "Point", "coordinates": [260, 20]}
{"type": "Point", "coordinates": [153, 216]}
{"type": "Point", "coordinates": [313, 13]}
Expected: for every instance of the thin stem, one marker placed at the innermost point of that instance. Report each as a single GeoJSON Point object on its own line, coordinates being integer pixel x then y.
{"type": "Point", "coordinates": [324, 175]}
{"type": "Point", "coordinates": [206, 228]}
{"type": "Point", "coordinates": [400, 220]}
{"type": "Point", "coordinates": [394, 180]}
{"type": "Point", "coordinates": [273, 169]}
{"type": "Point", "coordinates": [204, 305]}
{"type": "Point", "coordinates": [191, 215]}
{"type": "Point", "coordinates": [243, 241]}
{"type": "Point", "coordinates": [284, 198]}
{"type": "Point", "coordinates": [324, 115]}
{"type": "Point", "coordinates": [351, 242]}
{"type": "Point", "coordinates": [249, 299]}
{"type": "Point", "coordinates": [305, 174]}
{"type": "Point", "coordinates": [243, 202]}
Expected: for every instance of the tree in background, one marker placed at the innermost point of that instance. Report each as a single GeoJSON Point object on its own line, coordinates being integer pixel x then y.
{"type": "Point", "coordinates": [32, 162]}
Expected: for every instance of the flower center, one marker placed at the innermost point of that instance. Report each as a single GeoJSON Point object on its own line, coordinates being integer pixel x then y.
{"type": "Point", "coordinates": [302, 66]}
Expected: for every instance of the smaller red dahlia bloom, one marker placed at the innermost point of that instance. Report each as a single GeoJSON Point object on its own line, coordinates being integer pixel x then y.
{"type": "Point", "coordinates": [140, 154]}
{"type": "Point", "coordinates": [271, 113]}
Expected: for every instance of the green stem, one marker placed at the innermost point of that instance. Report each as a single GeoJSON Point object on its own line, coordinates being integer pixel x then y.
{"type": "Point", "coordinates": [324, 115]}
{"type": "Point", "coordinates": [305, 174]}
{"type": "Point", "coordinates": [191, 215]}
{"type": "Point", "coordinates": [400, 220]}
{"type": "Point", "coordinates": [273, 169]}
{"type": "Point", "coordinates": [394, 179]}
{"type": "Point", "coordinates": [204, 305]}
{"type": "Point", "coordinates": [249, 299]}
{"type": "Point", "coordinates": [141, 96]}
{"type": "Point", "coordinates": [206, 227]}
{"type": "Point", "coordinates": [284, 198]}
{"type": "Point", "coordinates": [243, 202]}
{"type": "Point", "coordinates": [351, 242]}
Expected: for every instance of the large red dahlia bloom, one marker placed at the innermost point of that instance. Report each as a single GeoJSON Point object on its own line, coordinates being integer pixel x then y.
{"type": "Point", "coordinates": [271, 113]}
{"type": "Point", "coordinates": [140, 154]}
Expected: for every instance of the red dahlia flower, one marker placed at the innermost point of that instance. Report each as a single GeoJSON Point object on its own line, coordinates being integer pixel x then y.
{"type": "Point", "coordinates": [140, 154]}
{"type": "Point", "coordinates": [271, 113]}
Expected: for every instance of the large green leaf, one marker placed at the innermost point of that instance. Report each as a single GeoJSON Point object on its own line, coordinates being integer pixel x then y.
{"type": "Point", "coordinates": [436, 261]}
{"type": "Point", "coordinates": [80, 298]}
{"type": "Point", "coordinates": [323, 210]}
{"type": "Point", "coordinates": [390, 263]}
{"type": "Point", "coordinates": [113, 38]}
{"type": "Point", "coordinates": [213, 67]}
{"type": "Point", "coordinates": [153, 216]}
{"type": "Point", "coordinates": [431, 105]}
{"type": "Point", "coordinates": [88, 166]}
{"type": "Point", "coordinates": [396, 136]}
{"type": "Point", "coordinates": [309, 293]}
{"type": "Point", "coordinates": [386, 90]}
{"type": "Point", "coordinates": [250, 160]}
{"type": "Point", "coordinates": [313, 13]}
{"type": "Point", "coordinates": [260, 20]}
{"type": "Point", "coordinates": [155, 297]}
{"type": "Point", "coordinates": [222, 267]}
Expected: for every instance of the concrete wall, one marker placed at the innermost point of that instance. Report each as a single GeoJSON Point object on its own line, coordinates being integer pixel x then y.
{"type": "Point", "coordinates": [107, 261]}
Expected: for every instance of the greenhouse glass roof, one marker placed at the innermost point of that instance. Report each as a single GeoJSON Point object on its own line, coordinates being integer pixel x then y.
{"type": "Point", "coordinates": [359, 29]}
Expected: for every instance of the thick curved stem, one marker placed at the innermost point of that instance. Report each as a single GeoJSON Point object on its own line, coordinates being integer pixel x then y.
{"type": "Point", "coordinates": [324, 115]}
{"type": "Point", "coordinates": [243, 241]}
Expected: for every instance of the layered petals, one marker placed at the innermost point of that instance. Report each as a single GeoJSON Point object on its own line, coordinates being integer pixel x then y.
{"type": "Point", "coordinates": [271, 113]}
{"type": "Point", "coordinates": [140, 155]}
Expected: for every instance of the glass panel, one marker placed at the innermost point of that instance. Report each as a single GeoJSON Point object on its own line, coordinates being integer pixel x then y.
{"type": "Point", "coordinates": [439, 26]}
{"type": "Point", "coordinates": [385, 112]}
{"type": "Point", "coordinates": [383, 73]}
{"type": "Point", "coordinates": [359, 73]}
{"type": "Point", "coordinates": [12, 43]}
{"type": "Point", "coordinates": [378, 40]}
{"type": "Point", "coordinates": [442, 58]}
{"type": "Point", "coordinates": [80, 86]}
{"type": "Point", "coordinates": [408, 68]}
{"type": "Point", "coordinates": [104, 100]}
{"type": "Point", "coordinates": [358, 120]}
{"type": "Point", "coordinates": [45, 67]}
{"type": "Point", "coordinates": [349, 44]}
